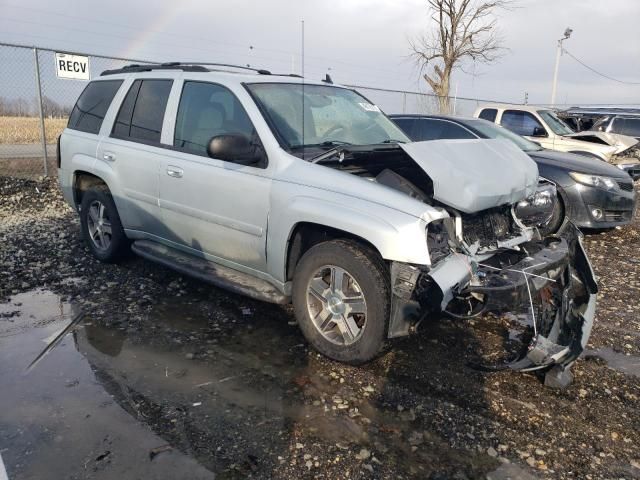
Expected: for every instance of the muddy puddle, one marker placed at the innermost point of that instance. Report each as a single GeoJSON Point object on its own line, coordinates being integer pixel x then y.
{"type": "Point", "coordinates": [627, 364]}
{"type": "Point", "coordinates": [192, 389]}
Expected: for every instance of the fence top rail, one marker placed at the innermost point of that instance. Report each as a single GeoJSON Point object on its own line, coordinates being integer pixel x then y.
{"type": "Point", "coordinates": [55, 50]}
{"type": "Point", "coordinates": [390, 90]}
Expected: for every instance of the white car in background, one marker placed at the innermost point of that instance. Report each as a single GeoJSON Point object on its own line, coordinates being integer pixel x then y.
{"type": "Point", "coordinates": [544, 127]}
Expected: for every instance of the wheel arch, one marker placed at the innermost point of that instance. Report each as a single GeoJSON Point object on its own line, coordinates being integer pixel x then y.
{"type": "Point", "coordinates": [82, 181]}
{"type": "Point", "coordinates": [304, 235]}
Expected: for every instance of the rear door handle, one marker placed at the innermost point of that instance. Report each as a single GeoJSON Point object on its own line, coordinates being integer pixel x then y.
{"type": "Point", "coordinates": [174, 172]}
{"type": "Point", "coordinates": [109, 157]}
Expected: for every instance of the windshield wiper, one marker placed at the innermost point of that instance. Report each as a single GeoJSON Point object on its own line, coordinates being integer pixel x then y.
{"type": "Point", "coordinates": [328, 154]}
{"type": "Point", "coordinates": [392, 140]}
{"type": "Point", "coordinates": [333, 143]}
{"type": "Point", "coordinates": [327, 143]}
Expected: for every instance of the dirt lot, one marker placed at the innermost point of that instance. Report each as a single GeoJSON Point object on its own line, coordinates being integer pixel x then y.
{"type": "Point", "coordinates": [165, 374]}
{"type": "Point", "coordinates": [21, 130]}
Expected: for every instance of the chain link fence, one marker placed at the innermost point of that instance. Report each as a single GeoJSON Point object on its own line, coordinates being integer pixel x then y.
{"type": "Point", "coordinates": [402, 101]}
{"type": "Point", "coordinates": [35, 105]}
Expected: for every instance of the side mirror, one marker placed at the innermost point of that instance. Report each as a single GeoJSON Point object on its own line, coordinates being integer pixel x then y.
{"type": "Point", "coordinates": [236, 148]}
{"type": "Point", "coordinates": [539, 132]}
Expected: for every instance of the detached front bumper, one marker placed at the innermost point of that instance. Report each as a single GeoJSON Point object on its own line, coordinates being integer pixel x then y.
{"type": "Point", "coordinates": [549, 282]}
{"type": "Point", "coordinates": [556, 287]}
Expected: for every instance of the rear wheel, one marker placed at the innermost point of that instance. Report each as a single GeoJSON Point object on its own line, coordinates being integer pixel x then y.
{"type": "Point", "coordinates": [100, 225]}
{"type": "Point", "coordinates": [341, 298]}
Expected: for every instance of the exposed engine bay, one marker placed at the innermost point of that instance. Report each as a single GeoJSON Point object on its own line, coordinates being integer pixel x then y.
{"type": "Point", "coordinates": [488, 260]}
{"type": "Point", "coordinates": [480, 230]}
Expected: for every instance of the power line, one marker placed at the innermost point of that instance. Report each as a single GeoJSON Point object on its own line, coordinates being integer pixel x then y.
{"type": "Point", "coordinates": [596, 71]}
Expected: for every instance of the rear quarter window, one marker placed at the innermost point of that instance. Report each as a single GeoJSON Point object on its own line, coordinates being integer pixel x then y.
{"type": "Point", "coordinates": [488, 114]}
{"type": "Point", "coordinates": [92, 105]}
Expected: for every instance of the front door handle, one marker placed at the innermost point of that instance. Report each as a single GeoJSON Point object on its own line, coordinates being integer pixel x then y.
{"type": "Point", "coordinates": [174, 172]}
{"type": "Point", "coordinates": [109, 157]}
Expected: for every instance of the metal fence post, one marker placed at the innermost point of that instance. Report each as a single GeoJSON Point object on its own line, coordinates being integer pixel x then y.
{"type": "Point", "coordinates": [43, 134]}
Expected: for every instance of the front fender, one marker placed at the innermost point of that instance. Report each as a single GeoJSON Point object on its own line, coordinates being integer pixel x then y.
{"type": "Point", "coordinates": [397, 236]}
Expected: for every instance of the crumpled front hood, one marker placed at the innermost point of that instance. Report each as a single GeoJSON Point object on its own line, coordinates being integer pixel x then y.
{"type": "Point", "coordinates": [473, 175]}
{"type": "Point", "coordinates": [621, 142]}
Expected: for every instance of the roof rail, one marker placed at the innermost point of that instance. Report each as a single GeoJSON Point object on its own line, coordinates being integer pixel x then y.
{"type": "Point", "coordinates": [241, 67]}
{"type": "Point", "coordinates": [184, 66]}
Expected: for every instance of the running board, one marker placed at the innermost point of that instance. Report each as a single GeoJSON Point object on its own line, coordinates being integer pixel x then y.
{"type": "Point", "coordinates": [223, 277]}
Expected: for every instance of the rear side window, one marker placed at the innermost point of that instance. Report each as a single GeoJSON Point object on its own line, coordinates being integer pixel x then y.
{"type": "Point", "coordinates": [207, 110]}
{"type": "Point", "coordinates": [89, 111]}
{"type": "Point", "coordinates": [488, 114]}
{"type": "Point", "coordinates": [142, 111]}
{"type": "Point", "coordinates": [522, 123]}
{"type": "Point", "coordinates": [433, 129]}
{"type": "Point", "coordinates": [406, 125]}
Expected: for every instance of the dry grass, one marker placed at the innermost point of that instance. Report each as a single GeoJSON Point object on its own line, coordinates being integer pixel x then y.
{"type": "Point", "coordinates": [17, 130]}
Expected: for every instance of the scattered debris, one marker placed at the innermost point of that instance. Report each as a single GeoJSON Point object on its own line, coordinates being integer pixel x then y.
{"type": "Point", "coordinates": [158, 450]}
{"type": "Point", "coordinates": [56, 340]}
{"type": "Point", "coordinates": [363, 454]}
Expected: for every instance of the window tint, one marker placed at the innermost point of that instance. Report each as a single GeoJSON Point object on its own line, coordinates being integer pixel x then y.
{"type": "Point", "coordinates": [142, 111]}
{"type": "Point", "coordinates": [89, 111]}
{"type": "Point", "coordinates": [205, 111]}
{"type": "Point", "coordinates": [627, 126]}
{"type": "Point", "coordinates": [406, 125]}
{"type": "Point", "coordinates": [434, 129]}
{"type": "Point", "coordinates": [522, 123]}
{"type": "Point", "coordinates": [122, 125]}
{"type": "Point", "coordinates": [488, 114]}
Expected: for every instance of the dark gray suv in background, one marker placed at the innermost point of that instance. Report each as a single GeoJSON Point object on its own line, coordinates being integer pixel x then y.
{"type": "Point", "coordinates": [592, 193]}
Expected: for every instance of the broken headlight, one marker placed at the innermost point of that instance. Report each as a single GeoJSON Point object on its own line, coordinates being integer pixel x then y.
{"type": "Point", "coordinates": [439, 233]}
{"type": "Point", "coordinates": [537, 210]}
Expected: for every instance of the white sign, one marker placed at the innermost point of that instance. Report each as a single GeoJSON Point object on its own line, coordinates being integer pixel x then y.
{"type": "Point", "coordinates": [75, 67]}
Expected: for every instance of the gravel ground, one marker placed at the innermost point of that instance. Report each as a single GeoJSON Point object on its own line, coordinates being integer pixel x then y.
{"type": "Point", "coordinates": [276, 409]}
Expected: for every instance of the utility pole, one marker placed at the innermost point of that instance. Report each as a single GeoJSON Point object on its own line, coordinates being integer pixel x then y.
{"type": "Point", "coordinates": [567, 34]}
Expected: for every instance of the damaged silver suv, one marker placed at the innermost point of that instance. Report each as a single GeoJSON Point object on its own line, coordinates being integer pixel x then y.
{"type": "Point", "coordinates": [292, 191]}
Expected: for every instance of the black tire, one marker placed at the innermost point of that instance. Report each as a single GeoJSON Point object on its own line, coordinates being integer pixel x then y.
{"type": "Point", "coordinates": [364, 266]}
{"type": "Point", "coordinates": [557, 219]}
{"type": "Point", "coordinates": [118, 246]}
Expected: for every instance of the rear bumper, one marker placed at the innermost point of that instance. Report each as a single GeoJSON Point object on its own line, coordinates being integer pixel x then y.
{"type": "Point", "coordinates": [617, 206]}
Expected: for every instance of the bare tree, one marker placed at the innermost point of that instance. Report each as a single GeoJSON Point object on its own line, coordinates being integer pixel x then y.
{"type": "Point", "coordinates": [465, 30]}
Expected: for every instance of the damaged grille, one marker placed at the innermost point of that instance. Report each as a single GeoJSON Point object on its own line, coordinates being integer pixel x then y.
{"type": "Point", "coordinates": [488, 227]}
{"type": "Point", "coordinates": [626, 186]}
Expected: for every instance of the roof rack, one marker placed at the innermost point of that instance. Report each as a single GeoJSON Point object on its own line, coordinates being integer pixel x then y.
{"type": "Point", "coordinates": [184, 66]}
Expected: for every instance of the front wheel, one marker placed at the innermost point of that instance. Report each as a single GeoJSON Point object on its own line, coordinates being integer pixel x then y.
{"type": "Point", "coordinates": [341, 299]}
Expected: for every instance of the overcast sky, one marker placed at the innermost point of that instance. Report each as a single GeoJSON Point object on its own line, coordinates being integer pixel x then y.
{"type": "Point", "coordinates": [357, 41]}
